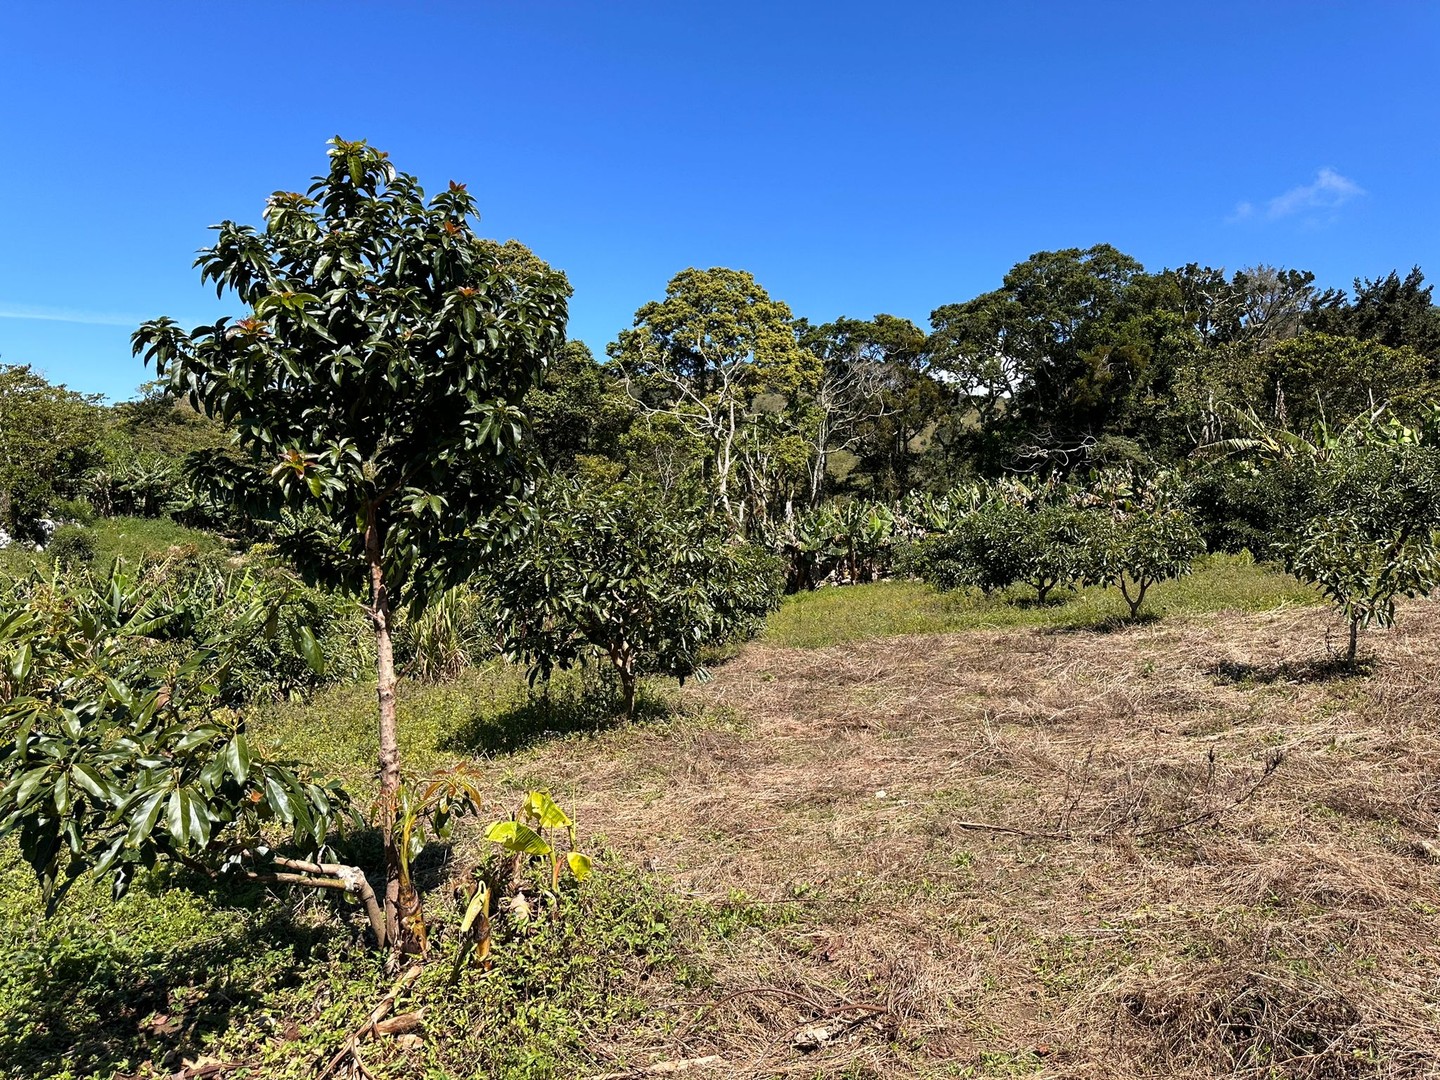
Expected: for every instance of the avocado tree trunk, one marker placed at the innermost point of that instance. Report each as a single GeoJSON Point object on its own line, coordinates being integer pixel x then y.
{"type": "Point", "coordinates": [1140, 585]}
{"type": "Point", "coordinates": [1354, 638]}
{"type": "Point", "coordinates": [402, 906]}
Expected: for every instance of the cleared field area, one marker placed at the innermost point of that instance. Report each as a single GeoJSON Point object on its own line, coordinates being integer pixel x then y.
{"type": "Point", "coordinates": [1187, 847]}
{"type": "Point", "coordinates": [1177, 849]}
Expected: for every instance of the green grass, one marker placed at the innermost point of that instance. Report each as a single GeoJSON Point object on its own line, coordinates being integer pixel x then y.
{"type": "Point", "coordinates": [129, 538]}
{"type": "Point", "coordinates": [891, 608]}
{"type": "Point", "coordinates": [487, 712]}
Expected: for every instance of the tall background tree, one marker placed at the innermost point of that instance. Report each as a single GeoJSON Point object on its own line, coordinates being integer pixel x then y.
{"type": "Point", "coordinates": [374, 384]}
{"type": "Point", "coordinates": [47, 441]}
{"type": "Point", "coordinates": [705, 354]}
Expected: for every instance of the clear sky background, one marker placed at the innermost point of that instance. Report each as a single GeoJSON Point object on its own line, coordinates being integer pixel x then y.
{"type": "Point", "coordinates": [856, 157]}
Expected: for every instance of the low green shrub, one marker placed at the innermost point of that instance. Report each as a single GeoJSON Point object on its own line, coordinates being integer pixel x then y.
{"type": "Point", "coordinates": [72, 545]}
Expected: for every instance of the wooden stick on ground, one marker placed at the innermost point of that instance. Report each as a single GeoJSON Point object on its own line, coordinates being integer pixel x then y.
{"type": "Point", "coordinates": [382, 1009]}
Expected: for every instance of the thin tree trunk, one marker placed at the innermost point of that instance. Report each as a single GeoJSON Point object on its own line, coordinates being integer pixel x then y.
{"type": "Point", "coordinates": [627, 691]}
{"type": "Point", "coordinates": [1354, 638]}
{"type": "Point", "coordinates": [399, 909]}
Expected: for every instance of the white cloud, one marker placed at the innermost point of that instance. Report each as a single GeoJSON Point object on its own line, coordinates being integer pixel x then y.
{"type": "Point", "coordinates": [1329, 192]}
{"type": "Point", "coordinates": [66, 315]}
{"type": "Point", "coordinates": [1315, 203]}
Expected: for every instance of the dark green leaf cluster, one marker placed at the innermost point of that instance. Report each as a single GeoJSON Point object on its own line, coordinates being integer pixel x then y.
{"type": "Point", "coordinates": [379, 374]}
{"type": "Point", "coordinates": [115, 753]}
{"type": "Point", "coordinates": [613, 572]}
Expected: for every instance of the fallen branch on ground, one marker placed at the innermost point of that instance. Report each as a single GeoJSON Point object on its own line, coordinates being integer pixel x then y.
{"type": "Point", "coordinates": [350, 1052]}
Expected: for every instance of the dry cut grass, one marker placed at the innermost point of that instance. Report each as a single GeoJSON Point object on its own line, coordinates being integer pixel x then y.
{"type": "Point", "coordinates": [1186, 848]}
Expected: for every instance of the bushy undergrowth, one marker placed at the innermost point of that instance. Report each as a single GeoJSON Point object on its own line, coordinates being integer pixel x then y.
{"type": "Point", "coordinates": [108, 989]}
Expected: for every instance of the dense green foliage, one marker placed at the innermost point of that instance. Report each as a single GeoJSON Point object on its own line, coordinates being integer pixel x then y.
{"type": "Point", "coordinates": [116, 750]}
{"type": "Point", "coordinates": [613, 572]}
{"type": "Point", "coordinates": [1127, 532]}
{"type": "Point", "coordinates": [374, 389]}
{"type": "Point", "coordinates": [1360, 516]}
{"type": "Point", "coordinates": [46, 445]}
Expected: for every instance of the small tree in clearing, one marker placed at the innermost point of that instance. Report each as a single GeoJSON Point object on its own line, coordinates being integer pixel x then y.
{"type": "Point", "coordinates": [1135, 548]}
{"type": "Point", "coordinates": [1363, 525]}
{"type": "Point", "coordinates": [375, 380]}
{"type": "Point", "coordinates": [615, 573]}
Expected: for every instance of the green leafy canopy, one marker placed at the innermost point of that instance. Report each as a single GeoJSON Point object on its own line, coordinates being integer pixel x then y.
{"type": "Point", "coordinates": [380, 369]}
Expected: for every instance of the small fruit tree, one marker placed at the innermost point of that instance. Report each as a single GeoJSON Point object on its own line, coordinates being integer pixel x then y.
{"type": "Point", "coordinates": [1011, 536]}
{"type": "Point", "coordinates": [1363, 511]}
{"type": "Point", "coordinates": [615, 572]}
{"type": "Point", "coordinates": [374, 381]}
{"type": "Point", "coordinates": [1139, 545]}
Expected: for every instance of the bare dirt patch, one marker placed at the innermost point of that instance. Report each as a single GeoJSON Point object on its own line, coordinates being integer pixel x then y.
{"type": "Point", "coordinates": [1187, 848]}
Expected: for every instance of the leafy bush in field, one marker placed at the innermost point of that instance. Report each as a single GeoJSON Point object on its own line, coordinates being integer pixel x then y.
{"type": "Point", "coordinates": [1242, 505]}
{"type": "Point", "coordinates": [614, 573]}
{"type": "Point", "coordinates": [1005, 541]}
{"type": "Point", "coordinates": [114, 755]}
{"type": "Point", "coordinates": [1139, 548]}
{"type": "Point", "coordinates": [47, 442]}
{"type": "Point", "coordinates": [72, 545]}
{"type": "Point", "coordinates": [77, 510]}
{"type": "Point", "coordinates": [1362, 525]}
{"type": "Point", "coordinates": [373, 385]}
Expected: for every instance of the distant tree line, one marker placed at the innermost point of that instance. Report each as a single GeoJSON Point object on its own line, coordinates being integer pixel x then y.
{"type": "Point", "coordinates": [1081, 359]}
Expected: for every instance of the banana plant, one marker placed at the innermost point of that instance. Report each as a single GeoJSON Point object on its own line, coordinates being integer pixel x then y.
{"type": "Point", "coordinates": [529, 834]}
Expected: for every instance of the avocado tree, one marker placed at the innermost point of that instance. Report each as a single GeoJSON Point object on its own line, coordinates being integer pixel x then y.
{"type": "Point", "coordinates": [615, 573]}
{"type": "Point", "coordinates": [374, 381]}
{"type": "Point", "coordinates": [1360, 518]}
{"type": "Point", "coordinates": [1012, 536]}
{"type": "Point", "coordinates": [1136, 548]}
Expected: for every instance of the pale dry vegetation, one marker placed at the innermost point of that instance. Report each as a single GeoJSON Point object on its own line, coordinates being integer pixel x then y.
{"type": "Point", "coordinates": [1190, 848]}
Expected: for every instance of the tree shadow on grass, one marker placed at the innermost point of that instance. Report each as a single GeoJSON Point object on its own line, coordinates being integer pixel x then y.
{"type": "Point", "coordinates": [1109, 624]}
{"type": "Point", "coordinates": [557, 711]}
{"type": "Point", "coordinates": [1328, 669]}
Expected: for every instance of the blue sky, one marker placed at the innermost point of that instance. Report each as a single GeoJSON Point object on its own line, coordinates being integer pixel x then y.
{"type": "Point", "coordinates": [856, 157]}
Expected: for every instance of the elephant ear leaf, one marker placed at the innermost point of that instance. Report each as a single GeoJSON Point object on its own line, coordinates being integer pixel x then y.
{"type": "Point", "coordinates": [543, 809]}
